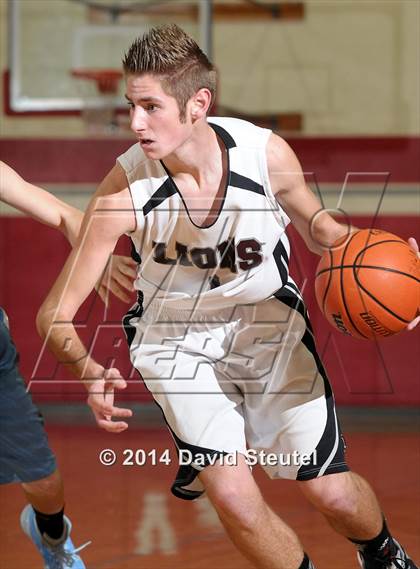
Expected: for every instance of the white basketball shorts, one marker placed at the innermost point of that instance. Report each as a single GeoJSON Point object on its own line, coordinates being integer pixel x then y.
{"type": "Point", "coordinates": [239, 380]}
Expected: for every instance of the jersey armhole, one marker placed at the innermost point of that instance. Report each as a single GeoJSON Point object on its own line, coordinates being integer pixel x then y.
{"type": "Point", "coordinates": [136, 225]}
{"type": "Point", "coordinates": [264, 169]}
{"type": "Point", "coordinates": [267, 184]}
{"type": "Point", "coordinates": [121, 164]}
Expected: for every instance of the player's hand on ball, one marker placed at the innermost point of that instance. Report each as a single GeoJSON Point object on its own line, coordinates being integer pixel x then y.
{"type": "Point", "coordinates": [101, 401]}
{"type": "Point", "coordinates": [370, 287]}
{"type": "Point", "coordinates": [413, 244]}
{"type": "Point", "coordinates": [118, 279]}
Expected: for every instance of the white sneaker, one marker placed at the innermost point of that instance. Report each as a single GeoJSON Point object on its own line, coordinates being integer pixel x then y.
{"type": "Point", "coordinates": [55, 555]}
{"type": "Point", "coordinates": [399, 560]}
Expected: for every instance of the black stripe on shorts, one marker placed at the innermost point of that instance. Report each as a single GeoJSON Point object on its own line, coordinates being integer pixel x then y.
{"type": "Point", "coordinates": [331, 447]}
{"type": "Point", "coordinates": [187, 473]}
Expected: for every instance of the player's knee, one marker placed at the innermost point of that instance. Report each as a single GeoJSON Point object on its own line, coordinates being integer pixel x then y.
{"type": "Point", "coordinates": [47, 487]}
{"type": "Point", "coordinates": [331, 494]}
{"type": "Point", "coordinates": [235, 506]}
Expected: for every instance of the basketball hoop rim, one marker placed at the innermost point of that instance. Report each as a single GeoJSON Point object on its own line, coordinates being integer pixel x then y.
{"type": "Point", "coordinates": [106, 79]}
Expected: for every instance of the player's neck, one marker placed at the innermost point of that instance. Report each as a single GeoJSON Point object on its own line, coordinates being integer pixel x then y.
{"type": "Point", "coordinates": [201, 156]}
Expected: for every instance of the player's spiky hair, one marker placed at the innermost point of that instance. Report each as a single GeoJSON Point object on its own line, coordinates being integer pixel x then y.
{"type": "Point", "coordinates": [168, 52]}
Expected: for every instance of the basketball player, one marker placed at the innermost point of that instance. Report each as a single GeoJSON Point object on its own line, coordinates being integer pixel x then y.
{"type": "Point", "coordinates": [220, 333]}
{"type": "Point", "coordinates": [25, 453]}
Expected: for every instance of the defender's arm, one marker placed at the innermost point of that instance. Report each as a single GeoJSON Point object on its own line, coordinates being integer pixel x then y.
{"type": "Point", "coordinates": [49, 210]}
{"type": "Point", "coordinates": [39, 203]}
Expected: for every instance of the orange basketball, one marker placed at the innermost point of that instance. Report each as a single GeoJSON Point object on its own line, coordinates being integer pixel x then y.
{"type": "Point", "coordinates": [369, 285]}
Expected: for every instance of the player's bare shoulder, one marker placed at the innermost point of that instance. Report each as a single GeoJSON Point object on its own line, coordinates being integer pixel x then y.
{"type": "Point", "coordinates": [284, 169]}
{"type": "Point", "coordinates": [112, 205]}
{"type": "Point", "coordinates": [277, 151]}
{"type": "Point", "coordinates": [114, 182]}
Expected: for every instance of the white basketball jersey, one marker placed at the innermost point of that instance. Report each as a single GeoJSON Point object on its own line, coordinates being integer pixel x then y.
{"type": "Point", "coordinates": [241, 258]}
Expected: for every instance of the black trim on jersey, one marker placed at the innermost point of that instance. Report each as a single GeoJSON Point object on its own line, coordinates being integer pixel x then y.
{"type": "Point", "coordinates": [174, 187]}
{"type": "Point", "coordinates": [290, 299]}
{"type": "Point", "coordinates": [280, 253]}
{"type": "Point", "coordinates": [161, 194]}
{"type": "Point", "coordinates": [239, 181]}
{"type": "Point", "coordinates": [294, 287]}
{"type": "Point", "coordinates": [328, 438]}
{"type": "Point", "coordinates": [135, 311]}
{"type": "Point", "coordinates": [134, 254]}
{"type": "Point", "coordinates": [283, 251]}
{"type": "Point", "coordinates": [224, 135]}
{"type": "Point", "coordinates": [214, 282]}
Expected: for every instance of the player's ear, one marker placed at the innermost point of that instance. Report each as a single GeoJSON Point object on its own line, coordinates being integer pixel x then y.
{"type": "Point", "coordinates": [199, 104]}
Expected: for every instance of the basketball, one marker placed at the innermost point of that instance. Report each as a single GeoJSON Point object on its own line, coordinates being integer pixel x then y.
{"type": "Point", "coordinates": [368, 286]}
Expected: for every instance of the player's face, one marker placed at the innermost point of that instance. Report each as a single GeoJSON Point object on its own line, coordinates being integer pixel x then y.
{"type": "Point", "coordinates": [155, 117]}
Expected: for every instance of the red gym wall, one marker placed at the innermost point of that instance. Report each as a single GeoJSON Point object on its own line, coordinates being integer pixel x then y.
{"type": "Point", "coordinates": [362, 372]}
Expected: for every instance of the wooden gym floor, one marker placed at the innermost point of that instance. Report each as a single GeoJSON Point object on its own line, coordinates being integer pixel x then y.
{"type": "Point", "coordinates": [135, 523]}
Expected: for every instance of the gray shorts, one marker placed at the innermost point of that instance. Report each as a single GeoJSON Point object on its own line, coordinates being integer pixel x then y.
{"type": "Point", "coordinates": [25, 455]}
{"type": "Point", "coordinates": [243, 380]}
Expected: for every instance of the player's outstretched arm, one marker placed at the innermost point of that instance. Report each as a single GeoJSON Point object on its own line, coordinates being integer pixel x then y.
{"type": "Point", "coordinates": [107, 218]}
{"type": "Point", "coordinates": [49, 210]}
{"type": "Point", "coordinates": [316, 226]}
{"type": "Point", "coordinates": [120, 272]}
{"type": "Point", "coordinates": [39, 203]}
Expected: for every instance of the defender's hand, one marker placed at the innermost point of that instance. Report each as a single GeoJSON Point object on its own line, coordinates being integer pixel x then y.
{"type": "Point", "coordinates": [101, 401]}
{"type": "Point", "coordinates": [118, 278]}
{"type": "Point", "coordinates": [413, 244]}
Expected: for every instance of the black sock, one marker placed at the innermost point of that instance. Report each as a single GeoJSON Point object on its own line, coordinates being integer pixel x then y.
{"type": "Point", "coordinates": [381, 546]}
{"type": "Point", "coordinates": [51, 524]}
{"type": "Point", "coordinates": [306, 563]}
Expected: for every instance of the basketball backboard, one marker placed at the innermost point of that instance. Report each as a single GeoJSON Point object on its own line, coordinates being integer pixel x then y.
{"type": "Point", "coordinates": [47, 40]}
